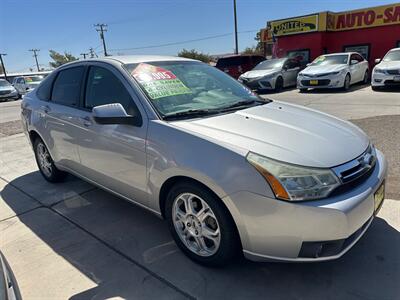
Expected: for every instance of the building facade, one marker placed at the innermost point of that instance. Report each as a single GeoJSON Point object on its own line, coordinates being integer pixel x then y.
{"type": "Point", "coordinates": [370, 31]}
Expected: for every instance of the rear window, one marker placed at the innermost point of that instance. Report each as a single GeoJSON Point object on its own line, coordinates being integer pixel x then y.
{"type": "Point", "coordinates": [67, 86]}
{"type": "Point", "coordinates": [44, 90]}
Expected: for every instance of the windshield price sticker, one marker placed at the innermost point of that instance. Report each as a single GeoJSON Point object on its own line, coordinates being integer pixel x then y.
{"type": "Point", "coordinates": [159, 82]}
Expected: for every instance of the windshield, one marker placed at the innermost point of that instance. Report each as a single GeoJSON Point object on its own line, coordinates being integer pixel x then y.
{"type": "Point", "coordinates": [30, 79]}
{"type": "Point", "coordinates": [4, 83]}
{"type": "Point", "coordinates": [331, 60]}
{"type": "Point", "coordinates": [270, 64]}
{"type": "Point", "coordinates": [183, 86]}
{"type": "Point", "coordinates": [392, 56]}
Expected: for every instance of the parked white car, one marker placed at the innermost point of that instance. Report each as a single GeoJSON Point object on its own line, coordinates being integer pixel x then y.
{"type": "Point", "coordinates": [337, 70]}
{"type": "Point", "coordinates": [25, 84]}
{"type": "Point", "coordinates": [387, 70]}
{"type": "Point", "coordinates": [273, 74]}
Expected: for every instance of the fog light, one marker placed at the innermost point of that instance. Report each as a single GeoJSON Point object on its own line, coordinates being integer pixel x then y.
{"type": "Point", "coordinates": [378, 80]}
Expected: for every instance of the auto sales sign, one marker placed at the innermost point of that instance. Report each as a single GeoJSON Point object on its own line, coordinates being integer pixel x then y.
{"type": "Point", "coordinates": [364, 18]}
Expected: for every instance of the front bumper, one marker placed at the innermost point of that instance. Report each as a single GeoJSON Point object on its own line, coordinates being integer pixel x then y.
{"type": "Point", "coordinates": [324, 82]}
{"type": "Point", "coordinates": [259, 83]}
{"type": "Point", "coordinates": [277, 230]}
{"type": "Point", "coordinates": [12, 95]}
{"type": "Point", "coordinates": [381, 80]}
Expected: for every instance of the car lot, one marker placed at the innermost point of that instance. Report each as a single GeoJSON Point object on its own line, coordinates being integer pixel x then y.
{"type": "Point", "coordinates": [81, 242]}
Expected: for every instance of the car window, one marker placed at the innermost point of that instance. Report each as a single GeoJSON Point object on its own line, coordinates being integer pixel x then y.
{"type": "Point", "coordinates": [356, 57]}
{"type": "Point", "coordinates": [291, 64]}
{"type": "Point", "coordinates": [103, 87]}
{"type": "Point", "coordinates": [44, 90]}
{"type": "Point", "coordinates": [67, 86]}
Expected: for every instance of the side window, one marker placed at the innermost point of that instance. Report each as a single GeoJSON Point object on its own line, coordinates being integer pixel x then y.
{"type": "Point", "coordinates": [67, 86]}
{"type": "Point", "coordinates": [103, 87]}
{"type": "Point", "coordinates": [44, 89]}
{"type": "Point", "coordinates": [359, 58]}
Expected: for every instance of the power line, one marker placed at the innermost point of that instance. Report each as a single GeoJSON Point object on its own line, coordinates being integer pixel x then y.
{"type": "Point", "coordinates": [35, 56]}
{"type": "Point", "coordinates": [2, 63]}
{"type": "Point", "coordinates": [182, 42]}
{"type": "Point", "coordinates": [101, 28]}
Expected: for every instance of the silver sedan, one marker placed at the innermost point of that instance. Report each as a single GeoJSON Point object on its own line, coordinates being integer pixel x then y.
{"type": "Point", "coordinates": [273, 74]}
{"type": "Point", "coordinates": [230, 172]}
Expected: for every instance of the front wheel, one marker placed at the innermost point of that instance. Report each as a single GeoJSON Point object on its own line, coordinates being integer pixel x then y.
{"type": "Point", "coordinates": [366, 77]}
{"type": "Point", "coordinates": [201, 225]}
{"type": "Point", "coordinates": [45, 163]}
{"type": "Point", "coordinates": [278, 84]}
{"type": "Point", "coordinates": [346, 85]}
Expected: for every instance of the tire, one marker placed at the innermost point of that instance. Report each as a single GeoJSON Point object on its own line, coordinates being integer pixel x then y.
{"type": "Point", "coordinates": [366, 77]}
{"type": "Point", "coordinates": [347, 81]}
{"type": "Point", "coordinates": [45, 163]}
{"type": "Point", "coordinates": [303, 90]}
{"type": "Point", "coordinates": [190, 230]}
{"type": "Point", "coordinates": [278, 84]}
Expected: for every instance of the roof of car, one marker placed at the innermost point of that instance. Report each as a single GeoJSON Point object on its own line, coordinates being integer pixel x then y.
{"type": "Point", "coordinates": [394, 49]}
{"type": "Point", "coordinates": [134, 59]}
{"type": "Point", "coordinates": [340, 53]}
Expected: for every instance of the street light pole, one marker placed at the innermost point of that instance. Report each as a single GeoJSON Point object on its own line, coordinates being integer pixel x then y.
{"type": "Point", "coordinates": [2, 63]}
{"type": "Point", "coordinates": [35, 56]}
{"type": "Point", "coordinates": [236, 31]}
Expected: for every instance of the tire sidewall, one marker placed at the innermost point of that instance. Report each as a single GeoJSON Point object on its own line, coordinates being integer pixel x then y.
{"type": "Point", "coordinates": [56, 175]}
{"type": "Point", "coordinates": [347, 78]}
{"type": "Point", "coordinates": [229, 245]}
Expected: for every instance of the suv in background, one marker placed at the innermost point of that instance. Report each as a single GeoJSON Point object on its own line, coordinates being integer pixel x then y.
{"type": "Point", "coordinates": [236, 65]}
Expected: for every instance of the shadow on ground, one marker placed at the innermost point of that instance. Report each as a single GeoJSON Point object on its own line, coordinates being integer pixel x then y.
{"type": "Point", "coordinates": [371, 270]}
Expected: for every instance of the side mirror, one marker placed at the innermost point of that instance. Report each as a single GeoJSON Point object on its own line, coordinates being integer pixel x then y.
{"type": "Point", "coordinates": [114, 113]}
{"type": "Point", "coordinates": [354, 62]}
{"type": "Point", "coordinates": [377, 61]}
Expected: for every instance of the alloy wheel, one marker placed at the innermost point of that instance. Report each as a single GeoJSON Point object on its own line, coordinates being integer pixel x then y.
{"type": "Point", "coordinates": [196, 224]}
{"type": "Point", "coordinates": [44, 159]}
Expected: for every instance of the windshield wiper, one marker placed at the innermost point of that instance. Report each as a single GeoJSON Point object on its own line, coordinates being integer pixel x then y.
{"type": "Point", "coordinates": [189, 113]}
{"type": "Point", "coordinates": [243, 103]}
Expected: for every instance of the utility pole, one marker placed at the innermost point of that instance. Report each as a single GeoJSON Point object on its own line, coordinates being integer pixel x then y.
{"type": "Point", "coordinates": [236, 31]}
{"type": "Point", "coordinates": [84, 55]}
{"type": "Point", "coordinates": [2, 63]}
{"type": "Point", "coordinates": [35, 56]}
{"type": "Point", "coordinates": [92, 53]}
{"type": "Point", "coordinates": [101, 28]}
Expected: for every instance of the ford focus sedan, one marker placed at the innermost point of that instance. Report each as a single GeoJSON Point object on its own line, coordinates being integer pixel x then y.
{"type": "Point", "coordinates": [338, 70]}
{"type": "Point", "coordinates": [273, 74]}
{"type": "Point", "coordinates": [387, 71]}
{"type": "Point", "coordinates": [230, 172]}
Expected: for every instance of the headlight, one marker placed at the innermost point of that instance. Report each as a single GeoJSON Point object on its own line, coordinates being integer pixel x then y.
{"type": "Point", "coordinates": [381, 71]}
{"type": "Point", "coordinates": [333, 73]}
{"type": "Point", "coordinates": [294, 183]}
{"type": "Point", "coordinates": [270, 75]}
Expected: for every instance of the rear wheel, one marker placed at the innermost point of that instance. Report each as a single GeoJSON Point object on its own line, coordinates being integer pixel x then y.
{"type": "Point", "coordinates": [201, 225]}
{"type": "Point", "coordinates": [46, 163]}
{"type": "Point", "coordinates": [346, 85]}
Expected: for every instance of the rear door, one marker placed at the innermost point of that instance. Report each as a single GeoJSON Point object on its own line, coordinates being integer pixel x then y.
{"type": "Point", "coordinates": [113, 155]}
{"type": "Point", "coordinates": [61, 116]}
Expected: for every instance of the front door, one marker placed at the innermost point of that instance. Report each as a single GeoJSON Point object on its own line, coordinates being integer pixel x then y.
{"type": "Point", "coordinates": [113, 155]}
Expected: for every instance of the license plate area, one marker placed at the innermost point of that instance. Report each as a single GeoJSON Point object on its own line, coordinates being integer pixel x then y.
{"type": "Point", "coordinates": [313, 82]}
{"type": "Point", "coordinates": [379, 196]}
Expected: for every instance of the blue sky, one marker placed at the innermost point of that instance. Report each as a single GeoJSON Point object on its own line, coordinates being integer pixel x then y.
{"type": "Point", "coordinates": [65, 25]}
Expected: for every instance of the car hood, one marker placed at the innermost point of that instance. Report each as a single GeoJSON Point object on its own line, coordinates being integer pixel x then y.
{"type": "Point", "coordinates": [284, 132]}
{"type": "Point", "coordinates": [323, 69]}
{"type": "Point", "coordinates": [259, 73]}
{"type": "Point", "coordinates": [389, 65]}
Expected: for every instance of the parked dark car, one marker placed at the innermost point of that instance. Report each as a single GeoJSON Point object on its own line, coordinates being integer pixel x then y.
{"type": "Point", "coordinates": [236, 65]}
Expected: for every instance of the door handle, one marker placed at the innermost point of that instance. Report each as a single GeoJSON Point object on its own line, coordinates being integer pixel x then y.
{"type": "Point", "coordinates": [46, 108]}
{"type": "Point", "coordinates": [86, 121]}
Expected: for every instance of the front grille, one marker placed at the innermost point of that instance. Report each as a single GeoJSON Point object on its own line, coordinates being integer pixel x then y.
{"type": "Point", "coordinates": [321, 82]}
{"type": "Point", "coordinates": [355, 172]}
{"type": "Point", "coordinates": [5, 92]}
{"type": "Point", "coordinates": [393, 72]}
{"type": "Point", "coordinates": [316, 75]}
{"type": "Point", "coordinates": [392, 83]}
